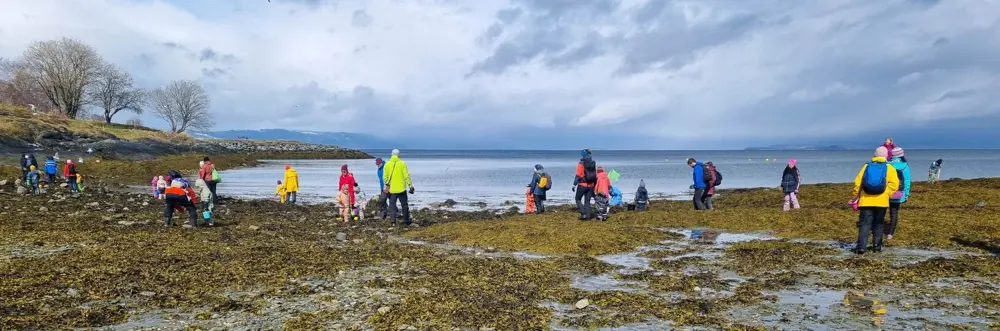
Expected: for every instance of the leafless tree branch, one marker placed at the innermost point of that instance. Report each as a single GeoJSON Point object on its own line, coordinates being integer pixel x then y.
{"type": "Point", "coordinates": [62, 69]}
{"type": "Point", "coordinates": [184, 104]}
{"type": "Point", "coordinates": [113, 91]}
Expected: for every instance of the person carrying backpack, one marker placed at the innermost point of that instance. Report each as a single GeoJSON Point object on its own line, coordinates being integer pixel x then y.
{"type": "Point", "coordinates": [540, 183]}
{"type": "Point", "coordinates": [873, 187]}
{"type": "Point", "coordinates": [583, 184]}
{"type": "Point", "coordinates": [602, 194]}
{"type": "Point", "coordinates": [711, 180]}
{"type": "Point", "coordinates": [698, 175]}
{"type": "Point", "coordinates": [903, 193]}
{"type": "Point", "coordinates": [51, 169]}
{"type": "Point", "coordinates": [211, 177]}
{"type": "Point", "coordinates": [790, 181]}
{"type": "Point", "coordinates": [69, 171]}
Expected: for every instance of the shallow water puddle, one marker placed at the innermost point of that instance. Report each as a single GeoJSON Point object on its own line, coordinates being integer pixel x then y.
{"type": "Point", "coordinates": [603, 282]}
{"type": "Point", "coordinates": [628, 260]}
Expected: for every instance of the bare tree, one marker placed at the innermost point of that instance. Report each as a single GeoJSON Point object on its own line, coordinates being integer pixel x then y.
{"type": "Point", "coordinates": [113, 91]}
{"type": "Point", "coordinates": [62, 69]}
{"type": "Point", "coordinates": [184, 104]}
{"type": "Point", "coordinates": [17, 88]}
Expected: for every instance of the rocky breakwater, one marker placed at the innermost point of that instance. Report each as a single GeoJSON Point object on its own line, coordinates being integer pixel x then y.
{"type": "Point", "coordinates": [288, 149]}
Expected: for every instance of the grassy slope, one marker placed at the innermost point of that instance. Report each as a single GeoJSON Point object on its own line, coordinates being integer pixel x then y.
{"type": "Point", "coordinates": [19, 123]}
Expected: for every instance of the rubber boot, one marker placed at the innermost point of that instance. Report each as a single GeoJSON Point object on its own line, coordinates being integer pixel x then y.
{"type": "Point", "coordinates": [167, 221]}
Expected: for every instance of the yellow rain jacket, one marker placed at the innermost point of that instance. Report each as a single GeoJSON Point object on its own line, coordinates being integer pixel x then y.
{"type": "Point", "coordinates": [396, 175]}
{"type": "Point", "coordinates": [291, 180]}
{"type": "Point", "coordinates": [281, 192]}
{"type": "Point", "coordinates": [881, 200]}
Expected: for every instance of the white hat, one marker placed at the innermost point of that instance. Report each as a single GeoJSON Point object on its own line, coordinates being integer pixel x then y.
{"type": "Point", "coordinates": [395, 152]}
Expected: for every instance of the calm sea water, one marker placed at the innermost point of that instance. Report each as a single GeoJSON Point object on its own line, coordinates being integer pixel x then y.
{"type": "Point", "coordinates": [498, 176]}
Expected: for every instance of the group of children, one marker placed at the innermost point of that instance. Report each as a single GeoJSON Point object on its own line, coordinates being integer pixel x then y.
{"type": "Point", "coordinates": [348, 195]}
{"type": "Point", "coordinates": [178, 194]}
{"type": "Point", "coordinates": [37, 179]}
{"type": "Point", "coordinates": [591, 181]}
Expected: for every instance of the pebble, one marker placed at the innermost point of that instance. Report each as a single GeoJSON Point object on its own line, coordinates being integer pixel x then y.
{"type": "Point", "coordinates": [383, 310]}
{"type": "Point", "coordinates": [341, 236]}
{"type": "Point", "coordinates": [144, 203]}
{"type": "Point", "coordinates": [73, 292]}
{"type": "Point", "coordinates": [147, 293]}
{"type": "Point", "coordinates": [43, 209]}
{"type": "Point", "coordinates": [254, 228]}
{"type": "Point", "coordinates": [582, 304]}
{"type": "Point", "coordinates": [126, 223]}
{"type": "Point", "coordinates": [94, 204]}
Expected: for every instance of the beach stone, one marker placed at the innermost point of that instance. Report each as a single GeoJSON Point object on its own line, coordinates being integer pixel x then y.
{"type": "Point", "coordinates": [254, 228]}
{"type": "Point", "coordinates": [64, 185]}
{"type": "Point", "coordinates": [144, 203]}
{"type": "Point", "coordinates": [125, 209]}
{"type": "Point", "coordinates": [147, 294]}
{"type": "Point", "coordinates": [383, 310]}
{"type": "Point", "coordinates": [491, 249]}
{"type": "Point", "coordinates": [4, 182]}
{"type": "Point", "coordinates": [341, 236]}
{"type": "Point", "coordinates": [73, 292]}
{"type": "Point", "coordinates": [980, 203]}
{"type": "Point", "coordinates": [21, 190]}
{"type": "Point", "coordinates": [582, 304]}
{"type": "Point", "coordinates": [43, 209]}
{"type": "Point", "coordinates": [94, 204]}
{"type": "Point", "coordinates": [126, 223]}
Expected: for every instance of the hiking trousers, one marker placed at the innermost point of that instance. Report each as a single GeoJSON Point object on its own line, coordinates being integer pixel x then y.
{"type": "Point", "coordinates": [583, 196]}
{"type": "Point", "coordinates": [791, 201]}
{"type": "Point", "coordinates": [706, 199]}
{"type": "Point", "coordinates": [871, 221]}
{"type": "Point", "coordinates": [179, 200]}
{"type": "Point", "coordinates": [539, 204]}
{"type": "Point", "coordinates": [291, 197]}
{"type": "Point", "coordinates": [893, 217]}
{"type": "Point", "coordinates": [383, 204]}
{"type": "Point", "coordinates": [403, 200]}
{"type": "Point", "coordinates": [211, 187]}
{"type": "Point", "coordinates": [601, 201]}
{"type": "Point", "coordinates": [699, 203]}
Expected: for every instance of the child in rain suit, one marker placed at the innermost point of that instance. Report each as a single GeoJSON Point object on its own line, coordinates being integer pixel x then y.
{"type": "Point", "coordinates": [602, 194]}
{"type": "Point", "coordinates": [161, 185]}
{"type": "Point", "coordinates": [281, 192]}
{"type": "Point", "coordinates": [33, 178]}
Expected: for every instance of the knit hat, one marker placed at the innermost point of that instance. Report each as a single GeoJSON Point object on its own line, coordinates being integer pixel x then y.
{"type": "Point", "coordinates": [378, 161]}
{"type": "Point", "coordinates": [538, 167]}
{"type": "Point", "coordinates": [32, 167]}
{"type": "Point", "coordinates": [287, 167]}
{"type": "Point", "coordinates": [395, 152]}
{"type": "Point", "coordinates": [585, 152]}
{"type": "Point", "coordinates": [882, 152]}
{"type": "Point", "coordinates": [642, 183]}
{"type": "Point", "coordinates": [279, 182]}
{"type": "Point", "coordinates": [897, 152]}
{"type": "Point", "coordinates": [791, 162]}
{"type": "Point", "coordinates": [343, 168]}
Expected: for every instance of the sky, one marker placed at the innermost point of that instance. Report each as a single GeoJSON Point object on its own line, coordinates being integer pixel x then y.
{"type": "Point", "coordinates": [643, 74]}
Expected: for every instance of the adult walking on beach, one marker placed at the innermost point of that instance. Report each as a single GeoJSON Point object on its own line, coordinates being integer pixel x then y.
{"type": "Point", "coordinates": [873, 187]}
{"type": "Point", "coordinates": [934, 172]}
{"type": "Point", "coordinates": [347, 178]}
{"type": "Point", "coordinates": [291, 184]}
{"type": "Point", "coordinates": [698, 175]}
{"type": "Point", "coordinates": [207, 173]}
{"type": "Point", "coordinates": [540, 183]}
{"type": "Point", "coordinates": [583, 184]}
{"type": "Point", "coordinates": [710, 181]}
{"type": "Point", "coordinates": [397, 180]}
{"type": "Point", "coordinates": [383, 197]}
{"type": "Point", "coordinates": [903, 193]}
{"type": "Point", "coordinates": [790, 182]}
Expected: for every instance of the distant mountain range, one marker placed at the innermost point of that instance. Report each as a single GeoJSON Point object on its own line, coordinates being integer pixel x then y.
{"type": "Point", "coordinates": [342, 139]}
{"type": "Point", "coordinates": [796, 148]}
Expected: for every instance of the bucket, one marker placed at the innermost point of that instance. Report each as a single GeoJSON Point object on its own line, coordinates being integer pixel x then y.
{"type": "Point", "coordinates": [207, 215]}
{"type": "Point", "coordinates": [695, 234]}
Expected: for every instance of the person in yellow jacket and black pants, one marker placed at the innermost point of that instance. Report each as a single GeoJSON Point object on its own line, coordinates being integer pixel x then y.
{"type": "Point", "coordinates": [397, 179]}
{"type": "Point", "coordinates": [291, 184]}
{"type": "Point", "coordinates": [874, 185]}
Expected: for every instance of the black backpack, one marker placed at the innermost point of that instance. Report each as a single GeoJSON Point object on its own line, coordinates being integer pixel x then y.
{"type": "Point", "coordinates": [718, 177]}
{"type": "Point", "coordinates": [589, 171]}
{"type": "Point", "coordinates": [902, 182]}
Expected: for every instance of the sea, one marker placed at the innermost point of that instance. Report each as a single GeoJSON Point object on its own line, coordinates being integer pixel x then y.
{"type": "Point", "coordinates": [499, 178]}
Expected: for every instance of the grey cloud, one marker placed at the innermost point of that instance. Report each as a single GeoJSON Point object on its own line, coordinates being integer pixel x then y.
{"type": "Point", "coordinates": [207, 54]}
{"type": "Point", "coordinates": [672, 44]}
{"type": "Point", "coordinates": [146, 60]}
{"type": "Point", "coordinates": [508, 16]}
{"type": "Point", "coordinates": [570, 7]}
{"type": "Point", "coordinates": [213, 73]}
{"type": "Point", "coordinates": [361, 19]}
{"type": "Point", "coordinates": [594, 46]}
{"type": "Point", "coordinates": [173, 45]}
{"type": "Point", "coordinates": [511, 53]}
{"type": "Point", "coordinates": [491, 34]}
{"type": "Point", "coordinates": [649, 11]}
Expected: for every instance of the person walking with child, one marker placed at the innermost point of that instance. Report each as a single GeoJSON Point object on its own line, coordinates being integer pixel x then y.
{"type": "Point", "coordinates": [540, 183]}
{"type": "Point", "coordinates": [790, 182]}
{"type": "Point", "coordinates": [584, 182]}
{"type": "Point", "coordinates": [280, 192]}
{"type": "Point", "coordinates": [873, 187]}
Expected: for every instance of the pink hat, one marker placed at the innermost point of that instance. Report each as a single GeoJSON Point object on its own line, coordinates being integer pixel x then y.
{"type": "Point", "coordinates": [791, 162]}
{"type": "Point", "coordinates": [882, 152]}
{"type": "Point", "coordinates": [287, 167]}
{"type": "Point", "coordinates": [897, 152]}
{"type": "Point", "coordinates": [343, 168]}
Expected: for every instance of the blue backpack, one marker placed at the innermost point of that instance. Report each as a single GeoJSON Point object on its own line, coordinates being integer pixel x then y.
{"type": "Point", "coordinates": [873, 181]}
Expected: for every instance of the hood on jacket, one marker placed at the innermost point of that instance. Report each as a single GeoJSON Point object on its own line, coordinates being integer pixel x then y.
{"type": "Point", "coordinates": [539, 168]}
{"type": "Point", "coordinates": [878, 159]}
{"type": "Point", "coordinates": [394, 158]}
{"type": "Point", "coordinates": [642, 183]}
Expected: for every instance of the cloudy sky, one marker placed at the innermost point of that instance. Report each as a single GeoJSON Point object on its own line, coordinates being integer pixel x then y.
{"type": "Point", "coordinates": [559, 73]}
